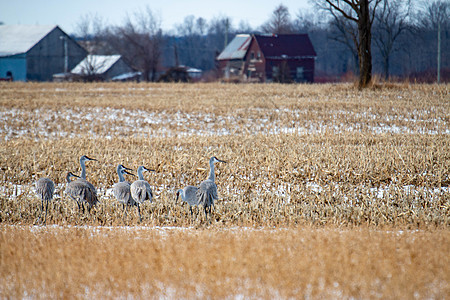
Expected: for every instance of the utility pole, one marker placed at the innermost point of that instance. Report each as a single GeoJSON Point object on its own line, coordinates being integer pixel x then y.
{"type": "Point", "coordinates": [66, 54]}
{"type": "Point", "coordinates": [175, 54]}
{"type": "Point", "coordinates": [227, 25]}
{"type": "Point", "coordinates": [439, 51]}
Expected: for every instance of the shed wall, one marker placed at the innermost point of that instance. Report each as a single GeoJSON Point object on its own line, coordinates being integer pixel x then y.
{"type": "Point", "coordinates": [16, 64]}
{"type": "Point", "coordinates": [120, 67]}
{"type": "Point", "coordinates": [47, 56]}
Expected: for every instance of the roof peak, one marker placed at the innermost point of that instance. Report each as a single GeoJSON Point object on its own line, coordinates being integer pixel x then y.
{"type": "Point", "coordinates": [16, 39]}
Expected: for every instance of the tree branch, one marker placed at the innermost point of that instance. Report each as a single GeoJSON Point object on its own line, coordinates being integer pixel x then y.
{"type": "Point", "coordinates": [343, 12]}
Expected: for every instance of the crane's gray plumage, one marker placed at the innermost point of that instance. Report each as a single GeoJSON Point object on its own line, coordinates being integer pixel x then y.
{"type": "Point", "coordinates": [45, 189]}
{"type": "Point", "coordinates": [188, 195]}
{"type": "Point", "coordinates": [122, 190]}
{"type": "Point", "coordinates": [207, 191]}
{"type": "Point", "coordinates": [141, 190]}
{"type": "Point", "coordinates": [82, 190]}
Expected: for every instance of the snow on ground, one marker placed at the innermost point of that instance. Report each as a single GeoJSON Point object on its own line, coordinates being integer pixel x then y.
{"type": "Point", "coordinates": [283, 191]}
{"type": "Point", "coordinates": [110, 122]}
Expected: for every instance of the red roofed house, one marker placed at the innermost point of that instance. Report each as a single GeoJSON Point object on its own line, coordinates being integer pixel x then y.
{"type": "Point", "coordinates": [268, 58]}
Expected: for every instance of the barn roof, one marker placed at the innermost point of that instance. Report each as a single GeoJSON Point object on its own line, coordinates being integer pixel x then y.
{"type": "Point", "coordinates": [285, 45]}
{"type": "Point", "coordinates": [16, 39]}
{"type": "Point", "coordinates": [97, 64]}
{"type": "Point", "coordinates": [237, 48]}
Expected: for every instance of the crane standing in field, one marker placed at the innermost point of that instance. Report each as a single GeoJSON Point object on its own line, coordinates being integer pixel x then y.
{"type": "Point", "coordinates": [82, 190]}
{"type": "Point", "coordinates": [188, 195]}
{"type": "Point", "coordinates": [141, 190]}
{"type": "Point", "coordinates": [122, 190]}
{"type": "Point", "coordinates": [207, 192]}
{"type": "Point", "coordinates": [45, 189]}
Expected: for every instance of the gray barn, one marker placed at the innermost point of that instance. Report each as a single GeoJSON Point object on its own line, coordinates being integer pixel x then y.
{"type": "Point", "coordinates": [103, 68]}
{"type": "Point", "coordinates": [36, 52]}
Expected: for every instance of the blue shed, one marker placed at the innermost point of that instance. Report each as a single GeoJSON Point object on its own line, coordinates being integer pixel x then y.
{"type": "Point", "coordinates": [36, 52]}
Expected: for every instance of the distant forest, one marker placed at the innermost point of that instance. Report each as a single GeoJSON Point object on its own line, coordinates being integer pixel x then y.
{"type": "Point", "coordinates": [405, 39]}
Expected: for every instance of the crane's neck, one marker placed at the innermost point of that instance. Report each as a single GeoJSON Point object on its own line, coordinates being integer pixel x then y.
{"type": "Point", "coordinates": [83, 169]}
{"type": "Point", "coordinates": [211, 171]}
{"type": "Point", "coordinates": [121, 178]}
{"type": "Point", "coordinates": [141, 176]}
{"type": "Point", "coordinates": [182, 195]}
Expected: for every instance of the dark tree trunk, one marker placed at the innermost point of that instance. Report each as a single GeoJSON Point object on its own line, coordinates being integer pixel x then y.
{"type": "Point", "coordinates": [364, 49]}
{"type": "Point", "coordinates": [358, 11]}
{"type": "Point", "coordinates": [386, 67]}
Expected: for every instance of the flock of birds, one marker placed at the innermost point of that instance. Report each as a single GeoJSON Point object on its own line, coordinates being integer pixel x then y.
{"type": "Point", "coordinates": [129, 194]}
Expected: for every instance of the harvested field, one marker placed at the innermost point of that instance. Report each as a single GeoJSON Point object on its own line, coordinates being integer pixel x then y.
{"type": "Point", "coordinates": [337, 174]}
{"type": "Point", "coordinates": [140, 262]}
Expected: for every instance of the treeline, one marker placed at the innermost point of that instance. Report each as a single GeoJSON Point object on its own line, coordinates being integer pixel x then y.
{"type": "Point", "coordinates": [405, 39]}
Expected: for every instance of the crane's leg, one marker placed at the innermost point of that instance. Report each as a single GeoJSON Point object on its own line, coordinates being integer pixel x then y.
{"type": "Point", "coordinates": [42, 210]}
{"type": "Point", "coordinates": [124, 211]}
{"type": "Point", "coordinates": [46, 209]}
{"type": "Point", "coordinates": [139, 211]}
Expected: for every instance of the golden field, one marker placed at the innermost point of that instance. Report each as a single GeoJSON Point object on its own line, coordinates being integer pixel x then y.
{"type": "Point", "coordinates": [328, 191]}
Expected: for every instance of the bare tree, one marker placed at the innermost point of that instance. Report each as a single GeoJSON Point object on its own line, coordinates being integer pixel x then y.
{"type": "Point", "coordinates": [90, 29]}
{"type": "Point", "coordinates": [219, 30]}
{"type": "Point", "coordinates": [435, 17]}
{"type": "Point", "coordinates": [307, 21]}
{"type": "Point", "coordinates": [361, 12]}
{"type": "Point", "coordinates": [391, 19]}
{"type": "Point", "coordinates": [345, 32]}
{"type": "Point", "coordinates": [280, 21]}
{"type": "Point", "coordinates": [244, 27]}
{"type": "Point", "coordinates": [191, 41]}
{"type": "Point", "coordinates": [139, 41]}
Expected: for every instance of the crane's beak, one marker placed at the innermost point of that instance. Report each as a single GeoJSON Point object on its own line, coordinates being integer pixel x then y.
{"type": "Point", "coordinates": [88, 158]}
{"type": "Point", "coordinates": [127, 168]}
{"type": "Point", "coordinates": [149, 170]}
{"type": "Point", "coordinates": [221, 160]}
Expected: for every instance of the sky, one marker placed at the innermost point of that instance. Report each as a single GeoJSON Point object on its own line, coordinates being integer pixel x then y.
{"type": "Point", "coordinates": [67, 14]}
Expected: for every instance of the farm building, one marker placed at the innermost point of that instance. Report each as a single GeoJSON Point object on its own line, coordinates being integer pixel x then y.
{"type": "Point", "coordinates": [268, 58]}
{"type": "Point", "coordinates": [103, 68]}
{"type": "Point", "coordinates": [36, 52]}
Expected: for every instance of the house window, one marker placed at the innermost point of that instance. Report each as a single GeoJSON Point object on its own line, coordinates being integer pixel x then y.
{"type": "Point", "coordinates": [300, 73]}
{"type": "Point", "coordinates": [252, 55]}
{"type": "Point", "coordinates": [259, 55]}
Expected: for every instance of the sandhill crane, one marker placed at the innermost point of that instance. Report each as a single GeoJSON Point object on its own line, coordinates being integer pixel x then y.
{"type": "Point", "coordinates": [141, 190]}
{"type": "Point", "coordinates": [121, 189]}
{"type": "Point", "coordinates": [82, 190]}
{"type": "Point", "coordinates": [70, 175]}
{"type": "Point", "coordinates": [207, 191]}
{"type": "Point", "coordinates": [188, 195]}
{"type": "Point", "coordinates": [45, 189]}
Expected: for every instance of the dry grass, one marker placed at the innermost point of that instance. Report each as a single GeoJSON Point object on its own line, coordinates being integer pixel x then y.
{"type": "Point", "coordinates": [57, 262]}
{"type": "Point", "coordinates": [331, 167]}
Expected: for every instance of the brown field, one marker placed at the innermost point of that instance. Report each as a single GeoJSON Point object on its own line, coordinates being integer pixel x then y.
{"type": "Point", "coordinates": [329, 192]}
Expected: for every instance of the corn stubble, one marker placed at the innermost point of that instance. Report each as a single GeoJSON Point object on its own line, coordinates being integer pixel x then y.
{"type": "Point", "coordinates": [338, 171]}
